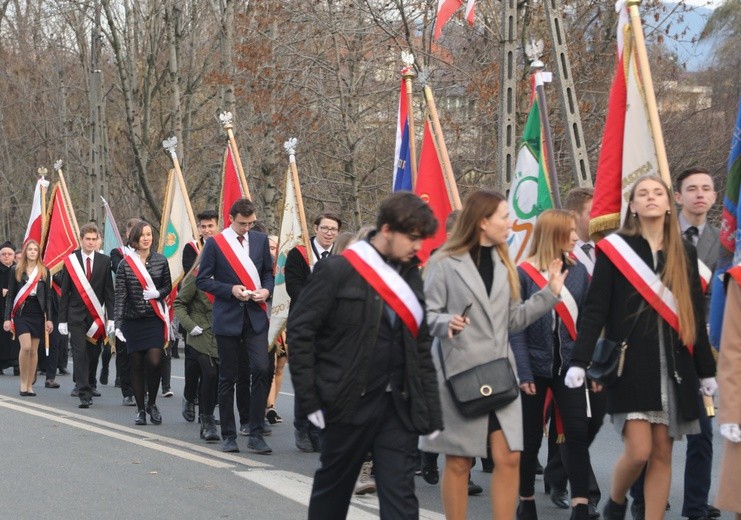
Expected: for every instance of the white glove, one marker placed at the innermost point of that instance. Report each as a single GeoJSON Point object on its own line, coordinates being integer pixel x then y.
{"type": "Point", "coordinates": [433, 435]}
{"type": "Point", "coordinates": [110, 327]}
{"type": "Point", "coordinates": [708, 386]}
{"type": "Point", "coordinates": [574, 377]}
{"type": "Point", "coordinates": [197, 331]}
{"type": "Point", "coordinates": [317, 419]}
{"type": "Point", "coordinates": [150, 294]}
{"type": "Point", "coordinates": [62, 328]}
{"type": "Point", "coordinates": [732, 432]}
{"type": "Point", "coordinates": [120, 336]}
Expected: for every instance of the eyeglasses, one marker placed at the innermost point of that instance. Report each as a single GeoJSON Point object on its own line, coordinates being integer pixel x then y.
{"type": "Point", "coordinates": [332, 230]}
{"type": "Point", "coordinates": [248, 225]}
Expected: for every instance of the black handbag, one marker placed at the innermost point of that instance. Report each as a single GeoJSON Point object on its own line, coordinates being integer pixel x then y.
{"type": "Point", "coordinates": [483, 388]}
{"type": "Point", "coordinates": [608, 359]}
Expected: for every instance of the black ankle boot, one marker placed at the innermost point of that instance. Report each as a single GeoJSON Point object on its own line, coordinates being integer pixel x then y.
{"type": "Point", "coordinates": [526, 510]}
{"type": "Point", "coordinates": [208, 429]}
{"type": "Point", "coordinates": [580, 512]}
{"type": "Point", "coordinates": [614, 511]}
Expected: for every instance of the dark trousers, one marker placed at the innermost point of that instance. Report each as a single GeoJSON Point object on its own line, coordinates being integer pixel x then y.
{"type": "Point", "coordinates": [84, 358]}
{"type": "Point", "coordinates": [208, 391]}
{"type": "Point", "coordinates": [57, 342]}
{"type": "Point", "coordinates": [166, 369]}
{"type": "Point", "coordinates": [123, 368]}
{"type": "Point", "coordinates": [246, 352]}
{"type": "Point", "coordinates": [555, 471]}
{"type": "Point", "coordinates": [572, 406]}
{"type": "Point", "coordinates": [192, 373]}
{"type": "Point", "coordinates": [344, 449]}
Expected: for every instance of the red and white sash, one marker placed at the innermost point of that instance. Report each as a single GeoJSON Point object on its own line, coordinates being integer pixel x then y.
{"type": "Point", "coordinates": [705, 275]}
{"type": "Point", "coordinates": [209, 295]}
{"type": "Point", "coordinates": [24, 293]}
{"type": "Point", "coordinates": [643, 278]}
{"type": "Point", "coordinates": [195, 245]}
{"type": "Point", "coordinates": [583, 258]}
{"type": "Point", "coordinates": [82, 284]}
{"type": "Point", "coordinates": [387, 283]}
{"type": "Point", "coordinates": [241, 263]}
{"type": "Point", "coordinates": [145, 280]}
{"type": "Point", "coordinates": [567, 308]}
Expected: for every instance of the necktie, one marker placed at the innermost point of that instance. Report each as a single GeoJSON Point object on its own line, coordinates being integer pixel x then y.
{"type": "Point", "coordinates": [88, 268]}
{"type": "Point", "coordinates": [691, 234]}
{"type": "Point", "coordinates": [325, 254]}
{"type": "Point", "coordinates": [587, 248]}
{"type": "Point", "coordinates": [241, 240]}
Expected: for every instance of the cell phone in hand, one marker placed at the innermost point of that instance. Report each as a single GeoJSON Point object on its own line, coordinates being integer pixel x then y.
{"type": "Point", "coordinates": [464, 314]}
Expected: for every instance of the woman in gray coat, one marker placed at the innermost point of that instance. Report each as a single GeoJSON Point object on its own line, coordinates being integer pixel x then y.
{"type": "Point", "coordinates": [474, 267]}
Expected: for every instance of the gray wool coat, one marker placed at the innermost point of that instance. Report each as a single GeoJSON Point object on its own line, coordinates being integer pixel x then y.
{"type": "Point", "coordinates": [451, 283]}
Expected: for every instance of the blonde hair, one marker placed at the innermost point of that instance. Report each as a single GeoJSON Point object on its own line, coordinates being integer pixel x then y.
{"type": "Point", "coordinates": [676, 265]}
{"type": "Point", "coordinates": [466, 235]}
{"type": "Point", "coordinates": [23, 262]}
{"type": "Point", "coordinates": [552, 232]}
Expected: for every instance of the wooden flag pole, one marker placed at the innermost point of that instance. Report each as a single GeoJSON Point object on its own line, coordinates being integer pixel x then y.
{"type": "Point", "coordinates": [290, 147]}
{"type": "Point", "coordinates": [67, 199]}
{"type": "Point", "coordinates": [408, 74]}
{"type": "Point", "coordinates": [227, 121]}
{"type": "Point", "coordinates": [545, 129]}
{"type": "Point", "coordinates": [443, 150]}
{"type": "Point", "coordinates": [42, 173]}
{"type": "Point", "coordinates": [170, 145]}
{"type": "Point", "coordinates": [648, 88]}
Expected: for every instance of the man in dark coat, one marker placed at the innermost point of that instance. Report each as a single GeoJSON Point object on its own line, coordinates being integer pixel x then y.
{"type": "Point", "coordinates": [9, 346]}
{"type": "Point", "coordinates": [361, 364]}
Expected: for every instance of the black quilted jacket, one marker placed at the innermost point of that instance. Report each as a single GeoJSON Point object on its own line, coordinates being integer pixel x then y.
{"type": "Point", "coordinates": [130, 302]}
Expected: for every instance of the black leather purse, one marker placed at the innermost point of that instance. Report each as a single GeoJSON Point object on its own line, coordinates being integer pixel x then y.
{"type": "Point", "coordinates": [483, 388]}
{"type": "Point", "coordinates": [608, 359]}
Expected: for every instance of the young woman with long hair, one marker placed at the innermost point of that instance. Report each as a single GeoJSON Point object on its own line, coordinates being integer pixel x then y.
{"type": "Point", "coordinates": [543, 353]}
{"type": "Point", "coordinates": [646, 285]}
{"type": "Point", "coordinates": [27, 308]}
{"type": "Point", "coordinates": [474, 269]}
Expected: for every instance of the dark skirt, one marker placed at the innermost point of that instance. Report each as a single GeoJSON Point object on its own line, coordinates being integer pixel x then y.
{"type": "Point", "coordinates": [143, 334]}
{"type": "Point", "coordinates": [31, 320]}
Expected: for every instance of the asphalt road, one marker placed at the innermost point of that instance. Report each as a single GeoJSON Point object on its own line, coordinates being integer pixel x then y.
{"type": "Point", "coordinates": [61, 462]}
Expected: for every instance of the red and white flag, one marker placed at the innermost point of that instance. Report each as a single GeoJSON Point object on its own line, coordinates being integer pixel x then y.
{"type": "Point", "coordinates": [446, 8]}
{"type": "Point", "coordinates": [34, 229]}
{"type": "Point", "coordinates": [61, 238]}
{"type": "Point", "coordinates": [233, 185]}
{"type": "Point", "coordinates": [628, 149]}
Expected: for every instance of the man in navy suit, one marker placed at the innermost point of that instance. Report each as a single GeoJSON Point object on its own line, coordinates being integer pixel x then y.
{"type": "Point", "coordinates": [86, 308]}
{"type": "Point", "coordinates": [236, 267]}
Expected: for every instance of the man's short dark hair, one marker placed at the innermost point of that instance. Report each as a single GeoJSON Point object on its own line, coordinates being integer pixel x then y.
{"type": "Point", "coordinates": [131, 223]}
{"type": "Point", "coordinates": [243, 207]}
{"type": "Point", "coordinates": [331, 216]}
{"type": "Point", "coordinates": [577, 198]}
{"type": "Point", "coordinates": [260, 226]}
{"type": "Point", "coordinates": [208, 214]}
{"type": "Point", "coordinates": [686, 173]}
{"type": "Point", "coordinates": [90, 227]}
{"type": "Point", "coordinates": [405, 212]}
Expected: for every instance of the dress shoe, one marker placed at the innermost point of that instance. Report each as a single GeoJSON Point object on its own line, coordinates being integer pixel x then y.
{"type": "Point", "coordinates": [50, 383]}
{"type": "Point", "coordinates": [560, 497]}
{"type": "Point", "coordinates": [104, 376]}
{"type": "Point", "coordinates": [154, 414]}
{"type": "Point", "coordinates": [230, 445]}
{"type": "Point", "coordinates": [63, 372]}
{"type": "Point", "coordinates": [189, 410]}
{"type": "Point", "coordinates": [594, 513]}
{"type": "Point", "coordinates": [75, 392]}
{"type": "Point", "coordinates": [257, 444]}
{"type": "Point", "coordinates": [526, 510]}
{"type": "Point", "coordinates": [85, 403]}
{"type": "Point", "coordinates": [431, 473]}
{"type": "Point", "coordinates": [141, 418]}
{"type": "Point", "coordinates": [272, 416]}
{"type": "Point", "coordinates": [303, 441]}
{"type": "Point", "coordinates": [713, 512]}
{"type": "Point", "coordinates": [638, 509]}
{"type": "Point", "coordinates": [25, 394]}
{"type": "Point", "coordinates": [95, 392]}
{"type": "Point", "coordinates": [129, 401]}
{"type": "Point", "coordinates": [614, 511]}
{"type": "Point", "coordinates": [473, 488]}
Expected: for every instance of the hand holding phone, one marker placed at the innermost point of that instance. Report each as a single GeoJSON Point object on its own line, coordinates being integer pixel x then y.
{"type": "Point", "coordinates": [464, 315]}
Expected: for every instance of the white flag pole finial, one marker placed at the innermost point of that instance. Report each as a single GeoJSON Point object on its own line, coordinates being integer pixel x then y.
{"type": "Point", "coordinates": [227, 120]}
{"type": "Point", "coordinates": [290, 147]}
{"type": "Point", "coordinates": [170, 145]}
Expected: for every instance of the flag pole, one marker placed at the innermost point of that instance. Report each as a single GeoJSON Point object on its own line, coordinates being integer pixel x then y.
{"type": "Point", "coordinates": [442, 148]}
{"type": "Point", "coordinates": [67, 199]}
{"type": "Point", "coordinates": [42, 173]}
{"type": "Point", "coordinates": [227, 121]}
{"type": "Point", "coordinates": [109, 215]}
{"type": "Point", "coordinates": [648, 88]}
{"type": "Point", "coordinates": [170, 145]}
{"type": "Point", "coordinates": [408, 74]}
{"type": "Point", "coordinates": [290, 147]}
{"type": "Point", "coordinates": [537, 67]}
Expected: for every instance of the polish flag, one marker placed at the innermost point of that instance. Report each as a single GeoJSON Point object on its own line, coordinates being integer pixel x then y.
{"type": "Point", "coordinates": [470, 11]}
{"type": "Point", "coordinates": [445, 9]}
{"type": "Point", "coordinates": [34, 228]}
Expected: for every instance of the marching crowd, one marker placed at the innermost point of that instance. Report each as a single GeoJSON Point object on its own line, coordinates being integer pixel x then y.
{"type": "Point", "coordinates": [394, 365]}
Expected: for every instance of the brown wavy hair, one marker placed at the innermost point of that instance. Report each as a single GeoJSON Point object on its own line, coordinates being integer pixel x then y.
{"type": "Point", "coordinates": [466, 236]}
{"type": "Point", "coordinates": [676, 266]}
{"type": "Point", "coordinates": [23, 262]}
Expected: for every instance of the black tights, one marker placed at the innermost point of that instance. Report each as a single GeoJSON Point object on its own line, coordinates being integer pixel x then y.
{"type": "Point", "coordinates": [208, 389]}
{"type": "Point", "coordinates": [146, 365]}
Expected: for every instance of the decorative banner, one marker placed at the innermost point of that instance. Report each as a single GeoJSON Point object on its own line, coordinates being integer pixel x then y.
{"type": "Point", "coordinates": [402, 153]}
{"type": "Point", "coordinates": [61, 239]}
{"type": "Point", "coordinates": [35, 221]}
{"type": "Point", "coordinates": [231, 187]}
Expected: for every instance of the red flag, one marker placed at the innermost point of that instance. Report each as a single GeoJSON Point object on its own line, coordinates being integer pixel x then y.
{"type": "Point", "coordinates": [445, 9]}
{"type": "Point", "coordinates": [61, 239]}
{"type": "Point", "coordinates": [231, 186]}
{"type": "Point", "coordinates": [470, 11]}
{"type": "Point", "coordinates": [34, 229]}
{"type": "Point", "coordinates": [431, 187]}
